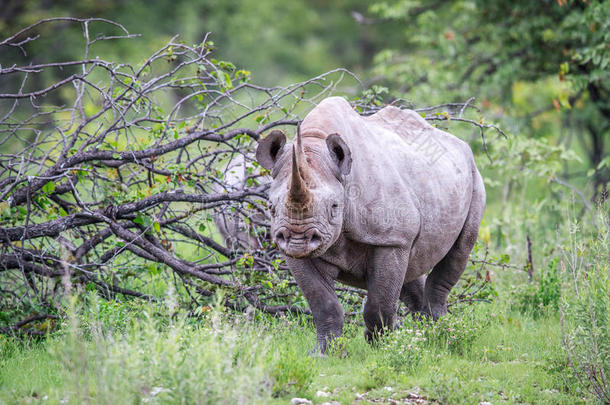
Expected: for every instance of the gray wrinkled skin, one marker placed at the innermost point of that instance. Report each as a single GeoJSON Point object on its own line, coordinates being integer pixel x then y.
{"type": "Point", "coordinates": [374, 202]}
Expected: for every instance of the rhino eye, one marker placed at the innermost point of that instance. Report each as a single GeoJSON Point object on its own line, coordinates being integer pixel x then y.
{"type": "Point", "coordinates": [333, 210]}
{"type": "Point", "coordinates": [272, 209]}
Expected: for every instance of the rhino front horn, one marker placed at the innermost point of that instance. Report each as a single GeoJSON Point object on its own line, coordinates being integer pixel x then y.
{"type": "Point", "coordinates": [299, 193]}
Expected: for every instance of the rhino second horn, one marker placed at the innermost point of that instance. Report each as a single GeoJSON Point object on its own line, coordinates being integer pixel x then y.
{"type": "Point", "coordinates": [299, 141]}
{"type": "Point", "coordinates": [299, 193]}
{"type": "Point", "coordinates": [301, 158]}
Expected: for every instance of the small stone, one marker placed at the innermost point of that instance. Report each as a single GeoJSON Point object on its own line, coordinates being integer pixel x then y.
{"type": "Point", "coordinates": [388, 389]}
{"type": "Point", "coordinates": [322, 394]}
{"type": "Point", "coordinates": [485, 403]}
{"type": "Point", "coordinates": [300, 401]}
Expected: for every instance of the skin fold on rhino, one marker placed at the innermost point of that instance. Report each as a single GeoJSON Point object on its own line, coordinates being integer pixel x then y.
{"type": "Point", "coordinates": [373, 202]}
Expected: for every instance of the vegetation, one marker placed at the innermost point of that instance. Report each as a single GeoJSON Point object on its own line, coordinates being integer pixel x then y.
{"type": "Point", "coordinates": [118, 285]}
{"type": "Point", "coordinates": [131, 352]}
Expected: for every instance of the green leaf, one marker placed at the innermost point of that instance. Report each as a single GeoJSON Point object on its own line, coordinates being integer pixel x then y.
{"type": "Point", "coordinates": [142, 219]}
{"type": "Point", "coordinates": [158, 128]}
{"type": "Point", "coordinates": [48, 188]}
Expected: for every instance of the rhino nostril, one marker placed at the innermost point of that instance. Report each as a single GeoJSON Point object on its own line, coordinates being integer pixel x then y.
{"type": "Point", "coordinates": [315, 239]}
{"type": "Point", "coordinates": [282, 237]}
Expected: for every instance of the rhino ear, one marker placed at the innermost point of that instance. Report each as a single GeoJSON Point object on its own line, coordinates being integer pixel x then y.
{"type": "Point", "coordinates": [269, 149]}
{"type": "Point", "coordinates": [340, 153]}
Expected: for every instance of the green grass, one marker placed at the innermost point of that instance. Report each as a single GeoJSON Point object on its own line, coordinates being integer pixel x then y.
{"type": "Point", "coordinates": [226, 359]}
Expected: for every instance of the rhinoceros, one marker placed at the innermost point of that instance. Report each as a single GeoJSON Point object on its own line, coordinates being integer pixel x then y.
{"type": "Point", "coordinates": [373, 202]}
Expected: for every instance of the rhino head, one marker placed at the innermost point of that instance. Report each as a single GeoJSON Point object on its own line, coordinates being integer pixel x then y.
{"type": "Point", "coordinates": [307, 194]}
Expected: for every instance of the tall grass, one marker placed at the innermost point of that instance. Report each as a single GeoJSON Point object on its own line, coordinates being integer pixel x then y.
{"type": "Point", "coordinates": [585, 309]}
{"type": "Point", "coordinates": [156, 359]}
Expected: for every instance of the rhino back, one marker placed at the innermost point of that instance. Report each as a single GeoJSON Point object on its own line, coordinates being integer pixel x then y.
{"type": "Point", "coordinates": [410, 184]}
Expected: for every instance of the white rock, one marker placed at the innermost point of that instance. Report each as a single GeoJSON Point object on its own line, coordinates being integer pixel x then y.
{"type": "Point", "coordinates": [300, 401]}
{"type": "Point", "coordinates": [157, 390]}
{"type": "Point", "coordinates": [322, 394]}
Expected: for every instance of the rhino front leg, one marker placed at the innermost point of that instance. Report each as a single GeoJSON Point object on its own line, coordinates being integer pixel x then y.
{"type": "Point", "coordinates": [385, 277]}
{"type": "Point", "coordinates": [318, 288]}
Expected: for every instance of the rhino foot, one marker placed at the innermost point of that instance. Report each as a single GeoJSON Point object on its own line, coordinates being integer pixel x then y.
{"type": "Point", "coordinates": [434, 311]}
{"type": "Point", "coordinates": [370, 336]}
{"type": "Point", "coordinates": [316, 353]}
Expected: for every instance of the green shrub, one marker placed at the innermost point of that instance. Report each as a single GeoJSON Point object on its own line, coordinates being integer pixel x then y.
{"type": "Point", "coordinates": [292, 372]}
{"type": "Point", "coordinates": [403, 349]}
{"type": "Point", "coordinates": [585, 310]}
{"type": "Point", "coordinates": [455, 331]}
{"type": "Point", "coordinates": [542, 296]}
{"type": "Point", "coordinates": [397, 352]}
{"type": "Point", "coordinates": [377, 374]}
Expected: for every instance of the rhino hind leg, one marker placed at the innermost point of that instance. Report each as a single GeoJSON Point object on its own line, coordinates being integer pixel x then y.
{"type": "Point", "coordinates": [447, 272]}
{"type": "Point", "coordinates": [412, 294]}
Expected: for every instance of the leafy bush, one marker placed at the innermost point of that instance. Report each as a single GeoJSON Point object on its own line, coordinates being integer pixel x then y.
{"type": "Point", "coordinates": [585, 310]}
{"type": "Point", "coordinates": [540, 297]}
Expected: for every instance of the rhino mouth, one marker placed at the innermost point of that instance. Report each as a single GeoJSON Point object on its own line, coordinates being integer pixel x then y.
{"type": "Point", "coordinates": [300, 245]}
